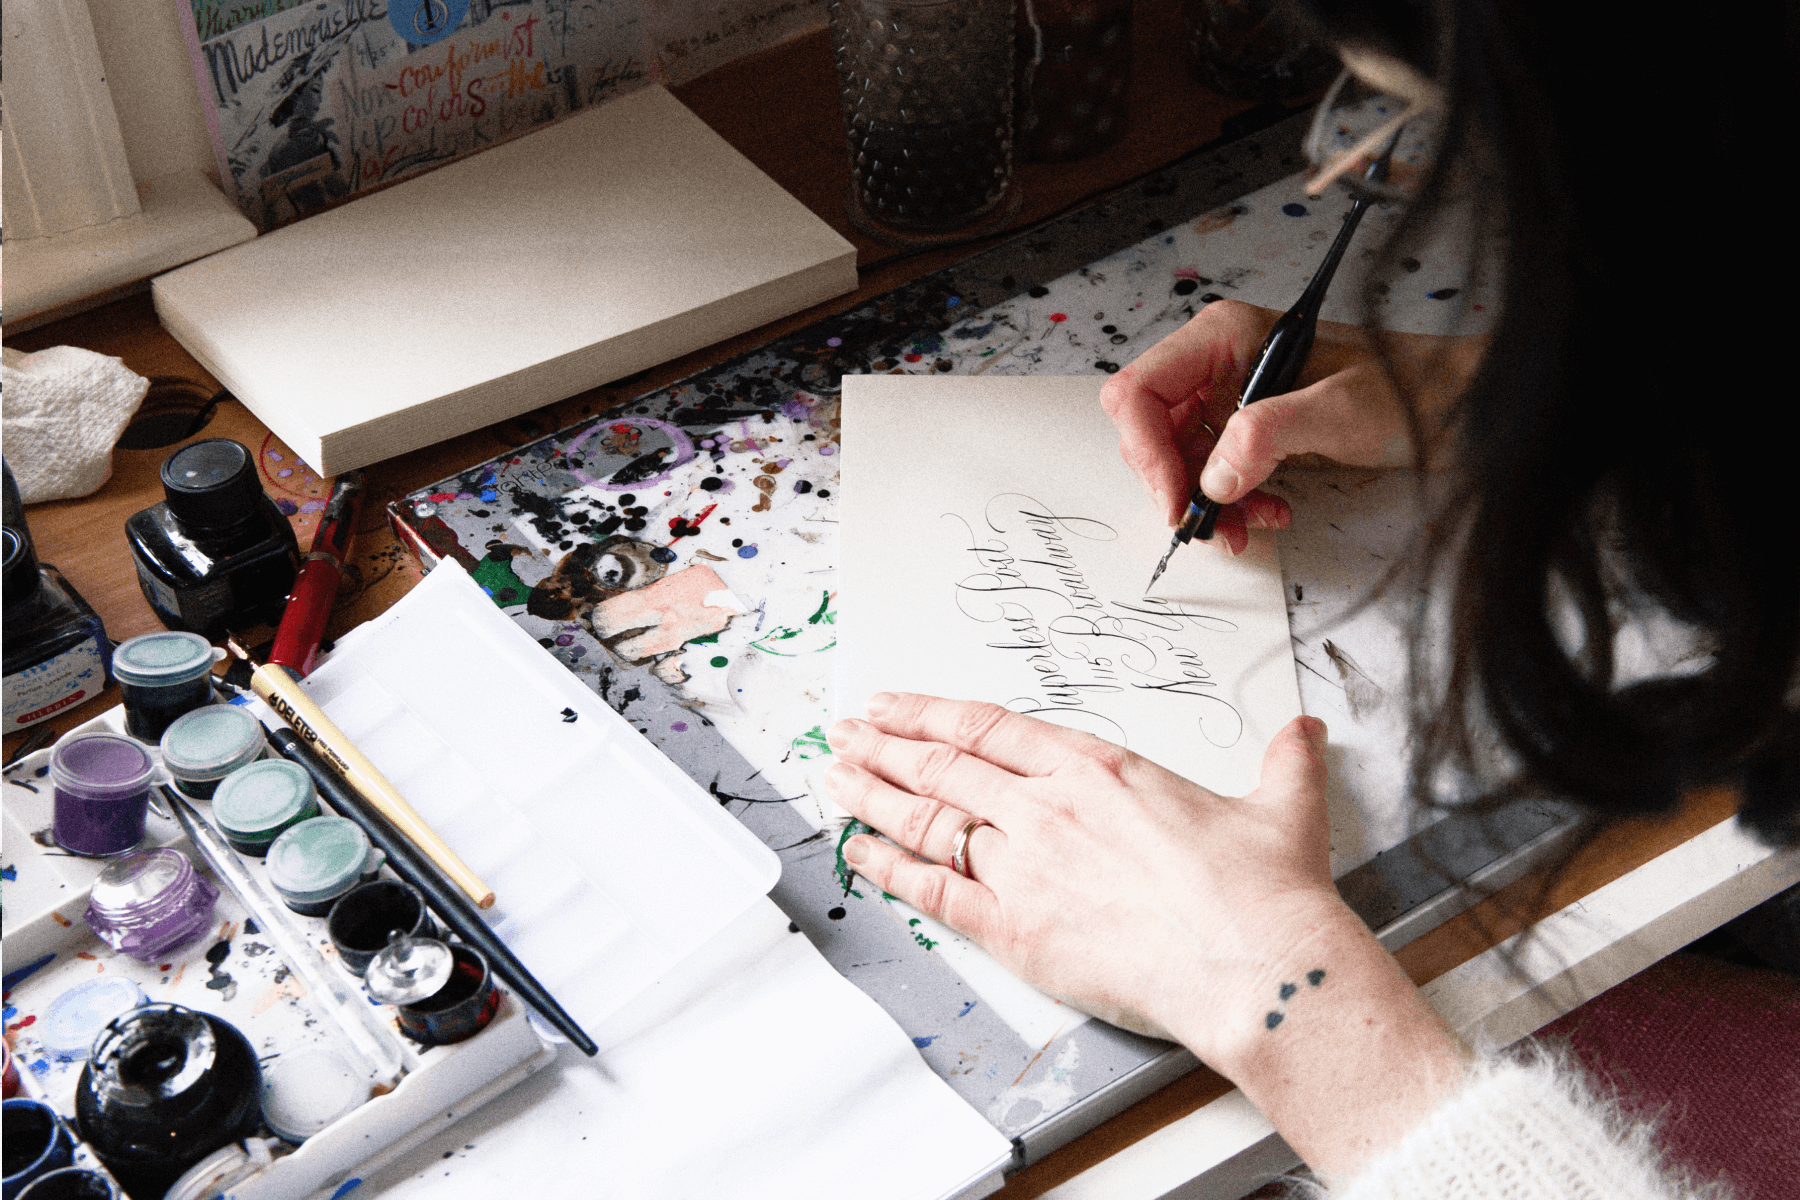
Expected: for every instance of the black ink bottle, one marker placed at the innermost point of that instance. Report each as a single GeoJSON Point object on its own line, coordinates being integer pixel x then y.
{"type": "Point", "coordinates": [57, 654]}
{"type": "Point", "coordinates": [216, 554]}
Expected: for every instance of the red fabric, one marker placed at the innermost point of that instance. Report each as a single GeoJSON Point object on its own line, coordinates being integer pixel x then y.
{"type": "Point", "coordinates": [1713, 1050]}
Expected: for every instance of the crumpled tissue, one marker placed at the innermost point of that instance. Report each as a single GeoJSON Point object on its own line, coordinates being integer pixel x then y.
{"type": "Point", "coordinates": [65, 407]}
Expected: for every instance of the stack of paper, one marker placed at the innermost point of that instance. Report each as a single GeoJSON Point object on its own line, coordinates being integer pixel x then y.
{"type": "Point", "coordinates": [620, 238]}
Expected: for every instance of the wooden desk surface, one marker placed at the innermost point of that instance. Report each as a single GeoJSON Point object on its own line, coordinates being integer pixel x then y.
{"type": "Point", "coordinates": [779, 108]}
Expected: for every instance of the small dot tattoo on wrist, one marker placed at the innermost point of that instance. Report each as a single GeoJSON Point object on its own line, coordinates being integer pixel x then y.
{"type": "Point", "coordinates": [1276, 1016]}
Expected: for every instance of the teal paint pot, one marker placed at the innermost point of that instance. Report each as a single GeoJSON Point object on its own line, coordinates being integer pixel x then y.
{"type": "Point", "coordinates": [163, 675]}
{"type": "Point", "coordinates": [204, 746]}
{"type": "Point", "coordinates": [316, 861]}
{"type": "Point", "coordinates": [258, 803]}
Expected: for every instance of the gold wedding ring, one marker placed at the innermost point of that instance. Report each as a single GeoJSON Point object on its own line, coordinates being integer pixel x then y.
{"type": "Point", "coordinates": [959, 849]}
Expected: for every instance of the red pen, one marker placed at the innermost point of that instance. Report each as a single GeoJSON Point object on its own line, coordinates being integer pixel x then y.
{"type": "Point", "coordinates": [315, 588]}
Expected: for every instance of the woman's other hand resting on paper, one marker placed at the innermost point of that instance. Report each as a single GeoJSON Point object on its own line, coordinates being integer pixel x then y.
{"type": "Point", "coordinates": [1147, 900]}
{"type": "Point", "coordinates": [1346, 409]}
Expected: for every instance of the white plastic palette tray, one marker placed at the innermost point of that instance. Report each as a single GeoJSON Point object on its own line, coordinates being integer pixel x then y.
{"type": "Point", "coordinates": [235, 973]}
{"type": "Point", "coordinates": [610, 865]}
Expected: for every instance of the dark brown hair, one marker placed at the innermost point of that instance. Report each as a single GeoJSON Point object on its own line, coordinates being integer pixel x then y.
{"type": "Point", "coordinates": [1616, 445]}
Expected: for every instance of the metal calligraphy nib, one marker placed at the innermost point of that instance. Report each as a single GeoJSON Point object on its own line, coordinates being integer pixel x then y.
{"type": "Point", "coordinates": [1163, 565]}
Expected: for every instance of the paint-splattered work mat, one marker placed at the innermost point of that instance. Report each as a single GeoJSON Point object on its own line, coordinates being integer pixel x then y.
{"type": "Point", "coordinates": [679, 555]}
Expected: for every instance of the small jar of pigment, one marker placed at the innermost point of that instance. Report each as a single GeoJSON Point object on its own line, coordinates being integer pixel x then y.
{"type": "Point", "coordinates": [204, 746]}
{"type": "Point", "coordinates": [102, 786]}
{"type": "Point", "coordinates": [362, 918]}
{"type": "Point", "coordinates": [150, 903]}
{"type": "Point", "coordinates": [442, 993]}
{"type": "Point", "coordinates": [460, 1009]}
{"type": "Point", "coordinates": [316, 861]}
{"type": "Point", "coordinates": [258, 803]}
{"type": "Point", "coordinates": [163, 676]}
{"type": "Point", "coordinates": [165, 1086]}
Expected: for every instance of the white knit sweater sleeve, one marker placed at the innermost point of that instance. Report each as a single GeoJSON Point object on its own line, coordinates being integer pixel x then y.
{"type": "Point", "coordinates": [1524, 1130]}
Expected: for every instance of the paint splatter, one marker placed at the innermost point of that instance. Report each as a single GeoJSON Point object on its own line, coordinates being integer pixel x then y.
{"type": "Point", "coordinates": [1294, 210]}
{"type": "Point", "coordinates": [843, 870]}
{"type": "Point", "coordinates": [922, 1042]}
{"type": "Point", "coordinates": [221, 980]}
{"type": "Point", "coordinates": [965, 1008]}
{"type": "Point", "coordinates": [1316, 976]}
{"type": "Point", "coordinates": [811, 744]}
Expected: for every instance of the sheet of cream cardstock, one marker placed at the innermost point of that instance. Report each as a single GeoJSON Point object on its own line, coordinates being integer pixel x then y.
{"type": "Point", "coordinates": [996, 547]}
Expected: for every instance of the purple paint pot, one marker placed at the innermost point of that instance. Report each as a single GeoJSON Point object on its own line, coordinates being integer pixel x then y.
{"type": "Point", "coordinates": [150, 903]}
{"type": "Point", "coordinates": [102, 785]}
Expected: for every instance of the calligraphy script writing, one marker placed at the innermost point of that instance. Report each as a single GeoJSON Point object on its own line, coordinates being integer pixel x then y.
{"type": "Point", "coordinates": [1078, 648]}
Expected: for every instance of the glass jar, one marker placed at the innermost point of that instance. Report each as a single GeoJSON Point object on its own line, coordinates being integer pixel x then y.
{"type": "Point", "coordinates": [1251, 50]}
{"type": "Point", "coordinates": [164, 1087]}
{"type": "Point", "coordinates": [1074, 65]}
{"type": "Point", "coordinates": [57, 655]}
{"type": "Point", "coordinates": [216, 554]}
{"type": "Point", "coordinates": [926, 87]}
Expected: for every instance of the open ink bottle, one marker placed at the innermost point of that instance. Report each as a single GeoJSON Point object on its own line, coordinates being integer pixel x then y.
{"type": "Point", "coordinates": [216, 554]}
{"type": "Point", "coordinates": [57, 654]}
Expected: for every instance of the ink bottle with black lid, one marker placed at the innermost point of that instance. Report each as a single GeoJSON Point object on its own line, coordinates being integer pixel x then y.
{"type": "Point", "coordinates": [56, 650]}
{"type": "Point", "coordinates": [216, 554]}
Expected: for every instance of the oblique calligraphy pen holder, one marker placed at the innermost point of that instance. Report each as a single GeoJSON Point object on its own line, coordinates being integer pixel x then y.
{"type": "Point", "coordinates": [1278, 363]}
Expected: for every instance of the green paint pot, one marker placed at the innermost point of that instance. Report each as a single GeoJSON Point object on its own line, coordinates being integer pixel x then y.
{"type": "Point", "coordinates": [204, 746]}
{"type": "Point", "coordinates": [316, 861]}
{"type": "Point", "coordinates": [258, 803]}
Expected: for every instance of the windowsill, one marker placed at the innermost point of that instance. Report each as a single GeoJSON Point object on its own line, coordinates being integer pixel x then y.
{"type": "Point", "coordinates": [184, 216]}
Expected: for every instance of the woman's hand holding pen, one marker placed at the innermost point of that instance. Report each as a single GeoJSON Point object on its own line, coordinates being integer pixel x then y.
{"type": "Point", "coordinates": [1144, 899]}
{"type": "Point", "coordinates": [1346, 409]}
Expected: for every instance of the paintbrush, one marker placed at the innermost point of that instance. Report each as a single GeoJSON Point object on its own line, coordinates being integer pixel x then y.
{"type": "Point", "coordinates": [1278, 363]}
{"type": "Point", "coordinates": [418, 869]}
{"type": "Point", "coordinates": [280, 691]}
{"type": "Point", "coordinates": [351, 1015]}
